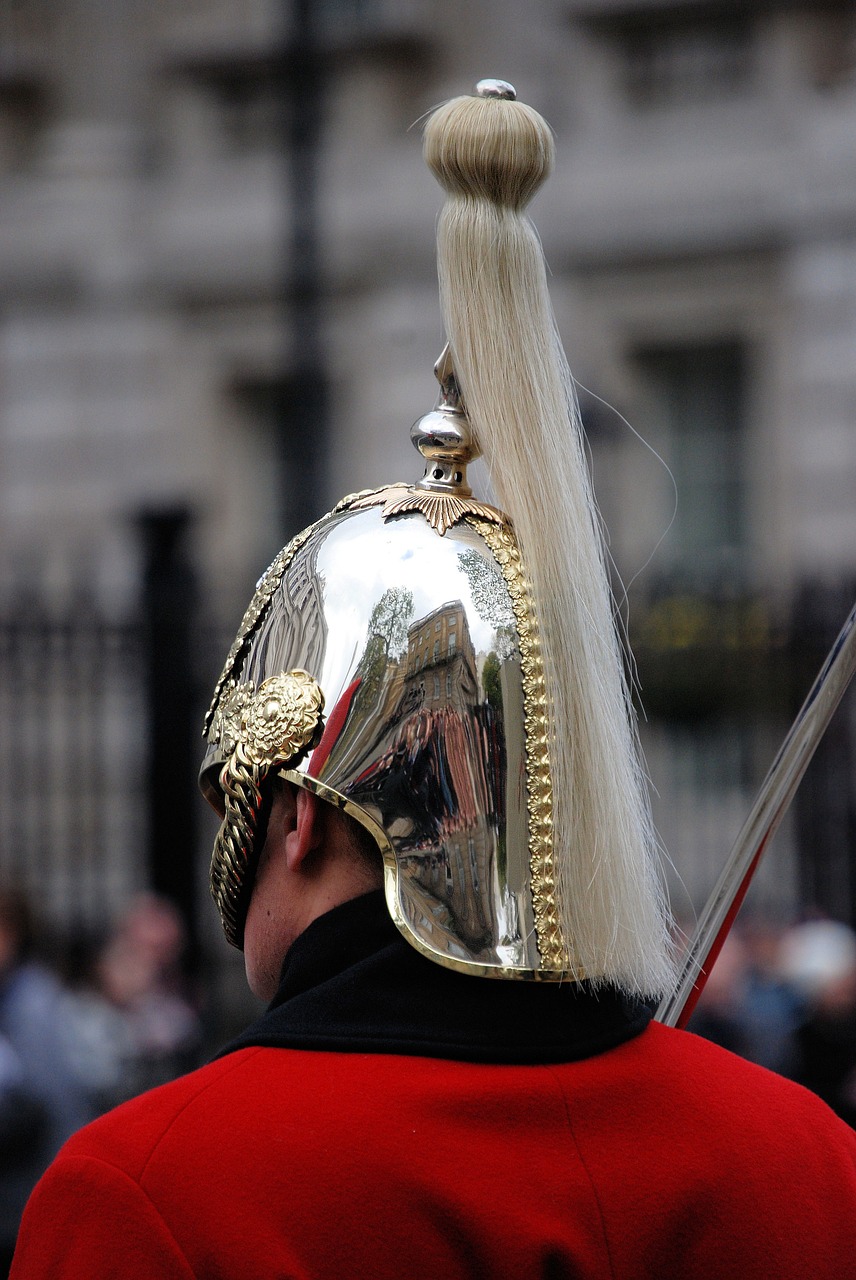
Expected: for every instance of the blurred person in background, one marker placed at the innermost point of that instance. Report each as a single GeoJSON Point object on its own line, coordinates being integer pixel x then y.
{"type": "Point", "coordinates": [772, 1007]}
{"type": "Point", "coordinates": [98, 1037]}
{"type": "Point", "coordinates": [140, 975]}
{"type": "Point", "coordinates": [747, 1006]}
{"type": "Point", "coordinates": [131, 1024]}
{"type": "Point", "coordinates": [721, 1014]}
{"type": "Point", "coordinates": [42, 1096]}
{"type": "Point", "coordinates": [118, 1022]}
{"type": "Point", "coordinates": [819, 961]}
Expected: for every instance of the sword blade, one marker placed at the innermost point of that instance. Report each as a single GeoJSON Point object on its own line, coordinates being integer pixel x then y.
{"type": "Point", "coordinates": [770, 806]}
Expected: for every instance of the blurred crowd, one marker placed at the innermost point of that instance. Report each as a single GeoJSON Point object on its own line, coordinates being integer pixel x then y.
{"type": "Point", "coordinates": [110, 1018]}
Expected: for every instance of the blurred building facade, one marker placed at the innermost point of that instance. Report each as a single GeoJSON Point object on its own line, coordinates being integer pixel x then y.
{"type": "Point", "coordinates": [182, 255]}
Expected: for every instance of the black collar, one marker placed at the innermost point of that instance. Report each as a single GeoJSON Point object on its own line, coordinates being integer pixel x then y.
{"type": "Point", "coordinates": [351, 984]}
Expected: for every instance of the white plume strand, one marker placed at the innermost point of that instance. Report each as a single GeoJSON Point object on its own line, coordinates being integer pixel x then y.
{"type": "Point", "coordinates": [491, 155]}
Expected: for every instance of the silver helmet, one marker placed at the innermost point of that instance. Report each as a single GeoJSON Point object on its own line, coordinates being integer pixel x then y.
{"type": "Point", "coordinates": [449, 674]}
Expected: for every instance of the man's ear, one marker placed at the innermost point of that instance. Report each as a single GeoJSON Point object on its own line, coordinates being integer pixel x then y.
{"type": "Point", "coordinates": [306, 834]}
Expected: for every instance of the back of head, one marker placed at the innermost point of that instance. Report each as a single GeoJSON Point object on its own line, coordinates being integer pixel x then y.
{"type": "Point", "coordinates": [447, 672]}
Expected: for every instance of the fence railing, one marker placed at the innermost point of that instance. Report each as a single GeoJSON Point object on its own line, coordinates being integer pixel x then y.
{"type": "Point", "coordinates": [73, 726]}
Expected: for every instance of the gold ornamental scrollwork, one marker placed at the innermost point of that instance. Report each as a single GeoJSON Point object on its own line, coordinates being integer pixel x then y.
{"type": "Point", "coordinates": [441, 510]}
{"type": "Point", "coordinates": [272, 725]}
{"type": "Point", "coordinates": [552, 946]}
{"type": "Point", "coordinates": [260, 729]}
{"type": "Point", "coordinates": [264, 592]}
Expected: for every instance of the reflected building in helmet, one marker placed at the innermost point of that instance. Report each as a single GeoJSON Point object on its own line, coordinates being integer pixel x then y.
{"type": "Point", "coordinates": [448, 753]}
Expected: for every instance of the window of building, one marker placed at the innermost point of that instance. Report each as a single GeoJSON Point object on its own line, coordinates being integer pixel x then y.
{"type": "Point", "coordinates": [828, 41]}
{"type": "Point", "coordinates": [238, 106]}
{"type": "Point", "coordinates": [696, 397]}
{"type": "Point", "coordinates": [247, 111]}
{"type": "Point", "coordinates": [24, 117]}
{"type": "Point", "coordinates": [678, 59]}
{"type": "Point", "coordinates": [453, 642]}
{"type": "Point", "coordinates": [336, 22]}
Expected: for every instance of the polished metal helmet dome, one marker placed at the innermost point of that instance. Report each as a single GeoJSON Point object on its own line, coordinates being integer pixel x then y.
{"type": "Point", "coordinates": [389, 661]}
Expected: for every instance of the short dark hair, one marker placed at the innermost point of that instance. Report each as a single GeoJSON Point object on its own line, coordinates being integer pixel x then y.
{"type": "Point", "coordinates": [362, 841]}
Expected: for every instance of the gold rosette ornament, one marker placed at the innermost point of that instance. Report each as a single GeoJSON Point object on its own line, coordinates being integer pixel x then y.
{"type": "Point", "coordinates": [262, 729]}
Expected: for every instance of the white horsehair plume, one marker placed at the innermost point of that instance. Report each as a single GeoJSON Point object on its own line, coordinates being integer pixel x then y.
{"type": "Point", "coordinates": [491, 153]}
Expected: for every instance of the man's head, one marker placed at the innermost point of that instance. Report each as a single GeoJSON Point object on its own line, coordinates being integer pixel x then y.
{"type": "Point", "coordinates": [314, 858]}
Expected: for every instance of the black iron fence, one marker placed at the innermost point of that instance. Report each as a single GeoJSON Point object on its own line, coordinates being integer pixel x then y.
{"type": "Point", "coordinates": [721, 679]}
{"type": "Point", "coordinates": [73, 743]}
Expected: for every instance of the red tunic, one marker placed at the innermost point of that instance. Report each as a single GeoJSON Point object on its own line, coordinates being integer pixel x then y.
{"type": "Point", "coordinates": [665, 1157]}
